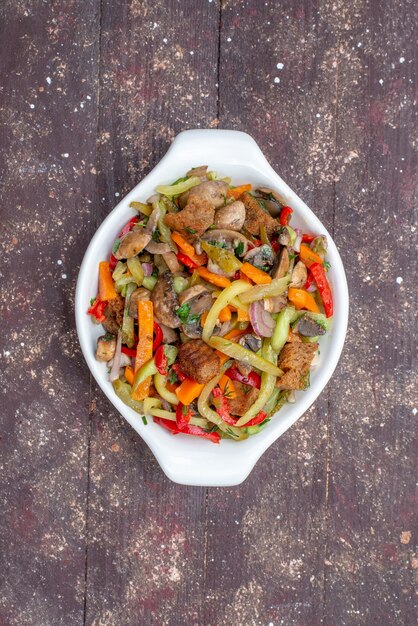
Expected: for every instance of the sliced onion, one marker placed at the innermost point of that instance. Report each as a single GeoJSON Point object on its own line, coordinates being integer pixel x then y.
{"type": "Point", "coordinates": [171, 260]}
{"type": "Point", "coordinates": [153, 220]}
{"type": "Point", "coordinates": [291, 398]}
{"type": "Point", "coordinates": [298, 240]}
{"type": "Point", "coordinates": [215, 269]}
{"type": "Point", "coordinates": [224, 328]}
{"type": "Point", "coordinates": [312, 287]}
{"type": "Point", "coordinates": [124, 361]}
{"type": "Point", "coordinates": [261, 320]}
{"type": "Point", "coordinates": [157, 248]}
{"type": "Point", "coordinates": [154, 198]}
{"type": "Point", "coordinates": [114, 372]}
{"type": "Point", "coordinates": [148, 268]}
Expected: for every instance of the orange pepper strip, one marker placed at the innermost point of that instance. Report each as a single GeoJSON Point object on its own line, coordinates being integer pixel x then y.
{"type": "Point", "coordinates": [227, 387]}
{"type": "Point", "coordinates": [215, 279]}
{"type": "Point", "coordinates": [188, 391]}
{"type": "Point", "coordinates": [308, 256]}
{"type": "Point", "coordinates": [223, 358]}
{"type": "Point", "coordinates": [302, 299]}
{"type": "Point", "coordinates": [242, 316]}
{"type": "Point", "coordinates": [199, 259]}
{"type": "Point", "coordinates": [129, 374]}
{"type": "Point", "coordinates": [235, 192]}
{"type": "Point", "coordinates": [234, 334]}
{"type": "Point", "coordinates": [203, 318]}
{"type": "Point", "coordinates": [144, 347]}
{"type": "Point", "coordinates": [258, 276]}
{"type": "Point", "coordinates": [245, 278]}
{"type": "Point", "coordinates": [225, 314]}
{"type": "Point", "coordinates": [106, 285]}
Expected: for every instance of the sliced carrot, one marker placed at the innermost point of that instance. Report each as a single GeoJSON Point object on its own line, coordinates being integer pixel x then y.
{"type": "Point", "coordinates": [223, 358]}
{"type": "Point", "coordinates": [245, 278]}
{"type": "Point", "coordinates": [129, 374]}
{"type": "Point", "coordinates": [308, 256]}
{"type": "Point", "coordinates": [199, 259]}
{"type": "Point", "coordinates": [188, 391]}
{"type": "Point", "coordinates": [215, 279]}
{"type": "Point", "coordinates": [144, 347]}
{"type": "Point", "coordinates": [225, 314]}
{"type": "Point", "coordinates": [235, 192]}
{"type": "Point", "coordinates": [242, 316]}
{"type": "Point", "coordinates": [234, 334]}
{"type": "Point", "coordinates": [302, 299]}
{"type": "Point", "coordinates": [227, 387]}
{"type": "Point", "coordinates": [256, 275]}
{"type": "Point", "coordinates": [203, 318]}
{"type": "Point", "coordinates": [106, 285]}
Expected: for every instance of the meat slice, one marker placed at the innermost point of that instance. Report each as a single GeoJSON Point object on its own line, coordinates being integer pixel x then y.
{"type": "Point", "coordinates": [198, 361]}
{"type": "Point", "coordinates": [245, 398]}
{"type": "Point", "coordinates": [295, 360]}
{"type": "Point", "coordinates": [255, 216]}
{"type": "Point", "coordinates": [194, 219]}
{"type": "Point", "coordinates": [114, 315]}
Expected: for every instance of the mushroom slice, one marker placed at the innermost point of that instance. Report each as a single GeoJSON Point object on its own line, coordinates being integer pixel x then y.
{"type": "Point", "coordinates": [211, 191]}
{"type": "Point", "coordinates": [308, 327]}
{"type": "Point", "coordinates": [165, 301]}
{"type": "Point", "coordinates": [199, 171]}
{"type": "Point", "coordinates": [139, 294]}
{"type": "Point", "coordinates": [231, 216]}
{"type": "Point", "coordinates": [106, 347]}
{"type": "Point", "coordinates": [132, 243]}
{"type": "Point", "coordinates": [281, 264]}
{"type": "Point", "coordinates": [231, 237]}
{"type": "Point", "coordinates": [299, 275]}
{"type": "Point", "coordinates": [199, 298]}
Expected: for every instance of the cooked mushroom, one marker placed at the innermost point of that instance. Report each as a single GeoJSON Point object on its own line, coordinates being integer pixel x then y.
{"type": "Point", "coordinates": [262, 257]}
{"type": "Point", "coordinates": [275, 303]}
{"type": "Point", "coordinates": [299, 275]}
{"type": "Point", "coordinates": [106, 347]}
{"type": "Point", "coordinates": [132, 243]}
{"type": "Point", "coordinates": [281, 264]}
{"type": "Point", "coordinates": [165, 301]}
{"type": "Point", "coordinates": [251, 342]}
{"type": "Point", "coordinates": [273, 201]}
{"type": "Point", "coordinates": [169, 335]}
{"type": "Point", "coordinates": [284, 236]}
{"type": "Point", "coordinates": [231, 216]}
{"type": "Point", "coordinates": [200, 170]}
{"type": "Point", "coordinates": [193, 329]}
{"type": "Point", "coordinates": [308, 327]}
{"type": "Point", "coordinates": [211, 191]}
{"type": "Point", "coordinates": [139, 294]}
{"type": "Point", "coordinates": [199, 298]}
{"type": "Point", "coordinates": [231, 238]}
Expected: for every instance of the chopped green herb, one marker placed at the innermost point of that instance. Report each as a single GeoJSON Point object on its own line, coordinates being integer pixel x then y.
{"type": "Point", "coordinates": [144, 420]}
{"type": "Point", "coordinates": [327, 266]}
{"type": "Point", "coordinates": [115, 246]}
{"type": "Point", "coordinates": [156, 235]}
{"type": "Point", "coordinates": [183, 312]}
{"type": "Point", "coordinates": [172, 377]}
{"type": "Point", "coordinates": [155, 272]}
{"type": "Point", "coordinates": [189, 230]}
{"type": "Point", "coordinates": [239, 250]}
{"type": "Point", "coordinates": [217, 244]}
{"type": "Point", "coordinates": [92, 301]}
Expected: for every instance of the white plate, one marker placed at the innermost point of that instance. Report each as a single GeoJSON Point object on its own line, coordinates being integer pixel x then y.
{"type": "Point", "coordinates": [185, 459]}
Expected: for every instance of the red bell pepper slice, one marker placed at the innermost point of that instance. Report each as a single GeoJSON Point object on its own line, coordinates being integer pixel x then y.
{"type": "Point", "coordinates": [180, 375]}
{"type": "Point", "coordinates": [221, 406]}
{"type": "Point", "coordinates": [183, 415]}
{"type": "Point", "coordinates": [307, 238]}
{"type": "Point", "coordinates": [129, 351]}
{"type": "Point", "coordinates": [260, 417]}
{"type": "Point", "coordinates": [186, 260]}
{"type": "Point", "coordinates": [275, 245]}
{"type": "Point", "coordinates": [188, 429]}
{"type": "Point", "coordinates": [285, 214]}
{"type": "Point", "coordinates": [324, 289]}
{"type": "Point", "coordinates": [253, 379]}
{"type": "Point", "coordinates": [158, 336]}
{"type": "Point", "coordinates": [128, 227]}
{"type": "Point", "coordinates": [161, 361]}
{"type": "Point", "coordinates": [97, 310]}
{"type": "Point", "coordinates": [309, 280]}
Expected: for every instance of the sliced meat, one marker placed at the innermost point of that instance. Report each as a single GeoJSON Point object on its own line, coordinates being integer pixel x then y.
{"type": "Point", "coordinates": [212, 192]}
{"type": "Point", "coordinates": [255, 216]}
{"type": "Point", "coordinates": [246, 396]}
{"type": "Point", "coordinates": [198, 361]}
{"type": "Point", "coordinates": [132, 243]}
{"type": "Point", "coordinates": [165, 301]}
{"type": "Point", "coordinates": [299, 275]}
{"type": "Point", "coordinates": [114, 315]}
{"type": "Point", "coordinates": [139, 294]}
{"type": "Point", "coordinates": [106, 346]}
{"type": "Point", "coordinates": [194, 219]}
{"type": "Point", "coordinates": [231, 216]}
{"type": "Point", "coordinates": [295, 360]}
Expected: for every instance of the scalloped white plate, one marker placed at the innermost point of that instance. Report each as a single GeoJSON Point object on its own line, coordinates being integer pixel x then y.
{"type": "Point", "coordinates": [186, 459]}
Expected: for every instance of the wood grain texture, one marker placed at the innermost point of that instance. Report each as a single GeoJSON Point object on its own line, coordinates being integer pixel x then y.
{"type": "Point", "coordinates": [324, 530]}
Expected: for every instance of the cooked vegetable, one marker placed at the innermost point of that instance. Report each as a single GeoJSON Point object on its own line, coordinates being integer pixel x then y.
{"type": "Point", "coordinates": [207, 299]}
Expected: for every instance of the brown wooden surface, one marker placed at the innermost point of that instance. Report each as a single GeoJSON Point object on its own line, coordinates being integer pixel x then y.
{"type": "Point", "coordinates": [324, 531]}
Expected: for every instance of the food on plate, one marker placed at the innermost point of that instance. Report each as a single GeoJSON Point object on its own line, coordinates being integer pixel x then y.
{"type": "Point", "coordinates": [212, 306]}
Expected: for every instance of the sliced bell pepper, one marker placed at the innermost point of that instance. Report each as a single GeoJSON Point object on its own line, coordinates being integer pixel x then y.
{"type": "Point", "coordinates": [324, 289]}
{"type": "Point", "coordinates": [188, 249]}
{"type": "Point", "coordinates": [236, 192]}
{"type": "Point", "coordinates": [158, 339]}
{"type": "Point", "coordinates": [106, 285]}
{"type": "Point", "coordinates": [221, 406]}
{"type": "Point", "coordinates": [302, 299]}
{"type": "Point", "coordinates": [186, 260]}
{"type": "Point", "coordinates": [188, 391]}
{"type": "Point", "coordinates": [227, 387]}
{"type": "Point", "coordinates": [257, 419]}
{"type": "Point", "coordinates": [183, 415]}
{"type": "Point", "coordinates": [180, 375]}
{"type": "Point", "coordinates": [97, 310]}
{"type": "Point", "coordinates": [257, 276]}
{"type": "Point", "coordinates": [161, 361]}
{"type": "Point", "coordinates": [308, 256]}
{"type": "Point", "coordinates": [144, 347]}
{"type": "Point", "coordinates": [307, 238]}
{"type": "Point", "coordinates": [129, 374]}
{"type": "Point", "coordinates": [252, 379]}
{"type": "Point", "coordinates": [225, 314]}
{"type": "Point", "coordinates": [215, 279]}
{"type": "Point", "coordinates": [126, 229]}
{"type": "Point", "coordinates": [129, 351]}
{"type": "Point", "coordinates": [309, 280]}
{"type": "Point", "coordinates": [285, 214]}
{"type": "Point", "coordinates": [189, 429]}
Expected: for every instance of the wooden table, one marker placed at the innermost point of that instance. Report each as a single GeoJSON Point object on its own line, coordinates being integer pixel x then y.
{"type": "Point", "coordinates": [322, 532]}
